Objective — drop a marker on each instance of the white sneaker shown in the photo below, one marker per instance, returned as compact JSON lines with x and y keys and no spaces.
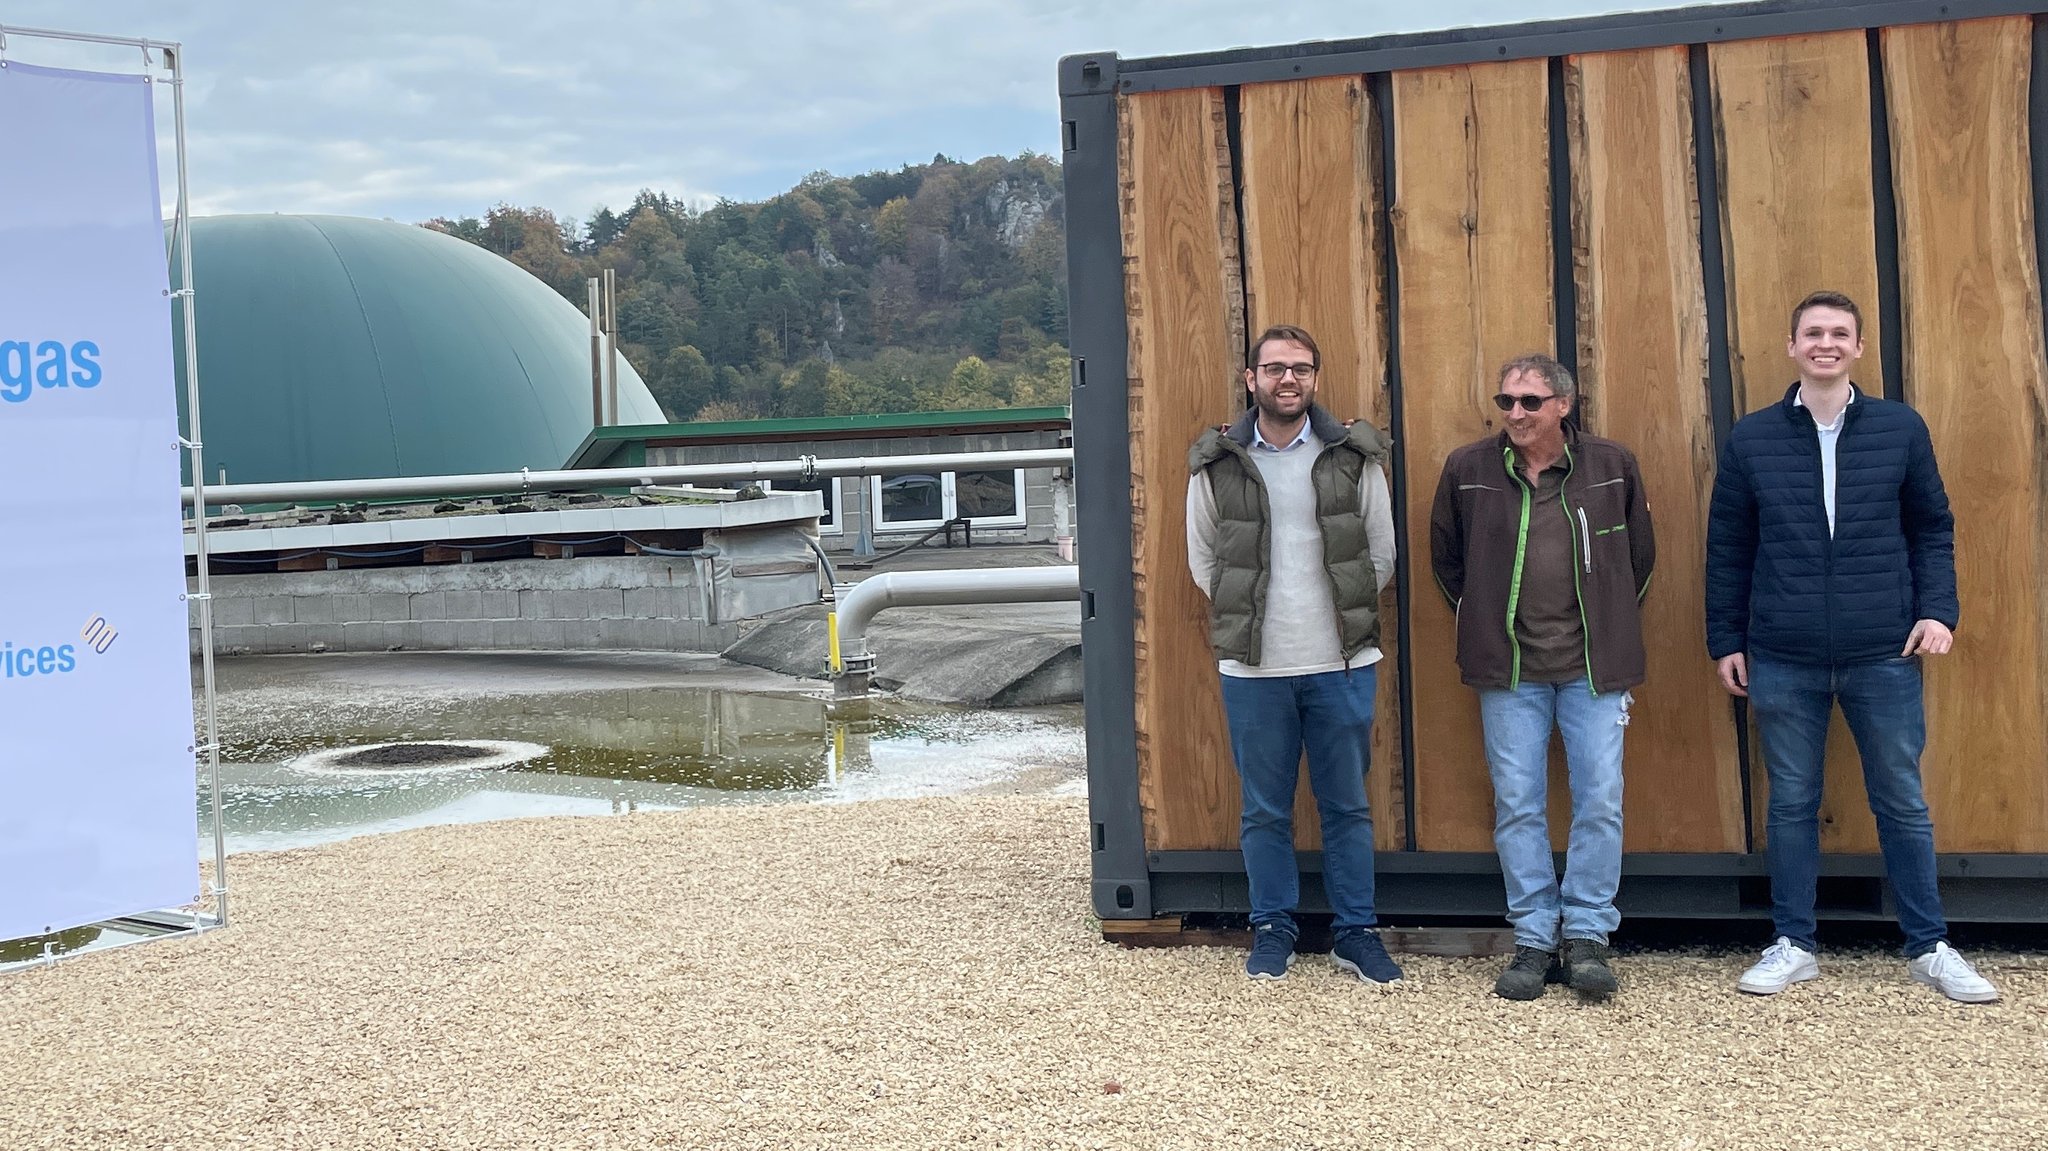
{"x":1945,"y":970}
{"x":1784,"y":963}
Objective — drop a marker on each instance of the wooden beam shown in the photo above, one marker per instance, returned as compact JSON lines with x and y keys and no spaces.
{"x":1971,"y":295}
{"x":1191,"y":931}
{"x":1643,"y":380}
{"x":1310,"y":204}
{"x":1184,"y":295}
{"x":559,"y":549}
{"x":1792,"y":120}
{"x":474,"y":551}
{"x":1792,"y":123}
{"x":1471,"y":223}
{"x":1311,"y":259}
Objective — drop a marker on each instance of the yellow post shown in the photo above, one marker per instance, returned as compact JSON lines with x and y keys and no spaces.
{"x":832,"y":643}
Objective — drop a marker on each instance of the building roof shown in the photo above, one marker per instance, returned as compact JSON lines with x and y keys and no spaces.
{"x":332,"y":347}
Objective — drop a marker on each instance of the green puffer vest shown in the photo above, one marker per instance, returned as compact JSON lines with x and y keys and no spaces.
{"x":1238,"y":607}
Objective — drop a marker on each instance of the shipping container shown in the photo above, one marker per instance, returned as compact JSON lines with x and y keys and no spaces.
{"x":1644,"y":196}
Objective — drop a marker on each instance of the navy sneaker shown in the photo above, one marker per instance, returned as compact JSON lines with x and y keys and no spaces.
{"x":1272,"y":952}
{"x":1360,"y":952}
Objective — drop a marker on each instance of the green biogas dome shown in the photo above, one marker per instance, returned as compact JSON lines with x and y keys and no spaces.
{"x":332,"y":347}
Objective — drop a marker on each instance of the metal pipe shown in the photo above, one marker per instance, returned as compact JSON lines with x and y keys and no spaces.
{"x":610,"y":401}
{"x":1063,"y":515}
{"x":596,"y":357}
{"x":864,"y":543}
{"x":955,"y":586}
{"x":86,"y":38}
{"x":524,"y":480}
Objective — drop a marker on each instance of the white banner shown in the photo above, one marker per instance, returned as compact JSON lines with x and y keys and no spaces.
{"x":97,"y":808}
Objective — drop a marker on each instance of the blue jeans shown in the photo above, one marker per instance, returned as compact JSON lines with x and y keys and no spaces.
{"x":1882,"y":703}
{"x":1518,"y":723}
{"x":1272,"y":721}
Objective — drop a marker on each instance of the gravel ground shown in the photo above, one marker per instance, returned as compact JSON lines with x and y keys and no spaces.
{"x":922,"y":974}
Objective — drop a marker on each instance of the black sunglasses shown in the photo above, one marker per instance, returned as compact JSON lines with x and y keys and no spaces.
{"x":1507,"y":402}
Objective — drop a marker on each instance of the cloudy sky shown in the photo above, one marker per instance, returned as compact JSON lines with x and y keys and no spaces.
{"x":445,"y":107}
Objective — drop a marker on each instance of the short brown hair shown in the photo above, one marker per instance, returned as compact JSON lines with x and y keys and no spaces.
{"x":1287,"y":332}
{"x":1828,"y":299}
{"x":1555,"y":374}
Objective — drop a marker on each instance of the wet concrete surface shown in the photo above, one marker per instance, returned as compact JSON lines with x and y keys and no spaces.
{"x":605,"y":733}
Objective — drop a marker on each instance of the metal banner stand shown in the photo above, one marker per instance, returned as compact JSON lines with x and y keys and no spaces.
{"x":165,"y":63}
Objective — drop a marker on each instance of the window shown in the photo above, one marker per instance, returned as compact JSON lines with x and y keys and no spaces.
{"x":989,"y":497}
{"x":909,"y":501}
{"x":827,"y":486}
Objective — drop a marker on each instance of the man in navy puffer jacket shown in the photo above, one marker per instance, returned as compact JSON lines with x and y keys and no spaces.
{"x":1830,"y":573}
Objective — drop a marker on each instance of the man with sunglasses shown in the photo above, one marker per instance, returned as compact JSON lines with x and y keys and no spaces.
{"x":1541,"y":539}
{"x":1830,"y":571}
{"x":1291,"y":536}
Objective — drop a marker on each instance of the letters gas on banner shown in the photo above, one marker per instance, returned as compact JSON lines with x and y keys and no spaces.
{"x":97,"y":813}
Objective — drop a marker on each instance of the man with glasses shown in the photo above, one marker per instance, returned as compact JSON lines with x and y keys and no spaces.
{"x":1291,"y":536}
{"x":1540,"y":537}
{"x":1830,"y":571}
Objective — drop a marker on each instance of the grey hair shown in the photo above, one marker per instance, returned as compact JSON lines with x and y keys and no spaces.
{"x":1555,"y":374}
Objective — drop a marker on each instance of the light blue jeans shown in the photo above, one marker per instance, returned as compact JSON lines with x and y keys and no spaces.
{"x":1518,"y":723}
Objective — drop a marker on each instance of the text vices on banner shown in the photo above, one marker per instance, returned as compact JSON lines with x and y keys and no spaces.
{"x":97,"y":811}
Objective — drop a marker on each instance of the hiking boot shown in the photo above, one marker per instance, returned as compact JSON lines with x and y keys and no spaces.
{"x":1586,"y":970}
{"x":1272,"y":952}
{"x":1784,"y":963}
{"x":1526,"y":977}
{"x":1360,"y":952}
{"x":1945,"y":970}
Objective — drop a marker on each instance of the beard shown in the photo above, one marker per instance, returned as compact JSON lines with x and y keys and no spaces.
{"x":1274,"y":406}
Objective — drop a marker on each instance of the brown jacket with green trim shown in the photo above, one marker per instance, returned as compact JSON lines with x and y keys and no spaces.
{"x":1476,"y":537}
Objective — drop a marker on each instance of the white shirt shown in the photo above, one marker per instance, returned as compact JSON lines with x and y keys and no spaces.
{"x":1299,"y":609}
{"x":1829,"y":433}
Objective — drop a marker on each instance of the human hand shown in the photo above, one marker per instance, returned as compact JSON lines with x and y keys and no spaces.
{"x":1930,"y":637}
{"x":1734,"y":671}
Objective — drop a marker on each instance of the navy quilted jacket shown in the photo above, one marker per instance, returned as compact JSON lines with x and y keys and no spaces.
{"x":1779,"y":586}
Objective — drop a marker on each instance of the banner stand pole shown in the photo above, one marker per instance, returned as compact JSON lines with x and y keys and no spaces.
{"x":174,"y":55}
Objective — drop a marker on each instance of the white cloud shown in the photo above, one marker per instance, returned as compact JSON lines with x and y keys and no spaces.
{"x":445,"y":107}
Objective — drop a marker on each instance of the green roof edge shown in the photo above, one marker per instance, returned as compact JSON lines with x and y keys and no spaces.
{"x":602,"y":444}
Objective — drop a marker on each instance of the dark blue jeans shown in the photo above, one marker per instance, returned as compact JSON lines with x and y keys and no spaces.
{"x":1272,"y":721}
{"x":1882,"y":702}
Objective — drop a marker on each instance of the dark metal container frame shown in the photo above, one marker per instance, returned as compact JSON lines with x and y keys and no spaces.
{"x":1131,"y":882}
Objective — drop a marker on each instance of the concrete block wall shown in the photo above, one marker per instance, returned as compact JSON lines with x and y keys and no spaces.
{"x":637,"y":603}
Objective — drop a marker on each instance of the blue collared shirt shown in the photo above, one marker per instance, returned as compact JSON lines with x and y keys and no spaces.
{"x":1259,"y":439}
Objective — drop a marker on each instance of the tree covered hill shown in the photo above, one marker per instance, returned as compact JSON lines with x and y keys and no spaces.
{"x":941,"y":286}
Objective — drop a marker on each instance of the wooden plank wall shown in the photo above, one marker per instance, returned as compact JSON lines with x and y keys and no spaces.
{"x":1312,"y":260}
{"x":1471,"y":224}
{"x":1470,"y":232}
{"x":1642,"y":324}
{"x":1792,"y":124}
{"x":1971,"y":298}
{"x":1185,"y":304}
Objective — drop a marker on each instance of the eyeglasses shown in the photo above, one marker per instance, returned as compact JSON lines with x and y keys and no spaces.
{"x":1279,"y":371}
{"x":1507,"y":402}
